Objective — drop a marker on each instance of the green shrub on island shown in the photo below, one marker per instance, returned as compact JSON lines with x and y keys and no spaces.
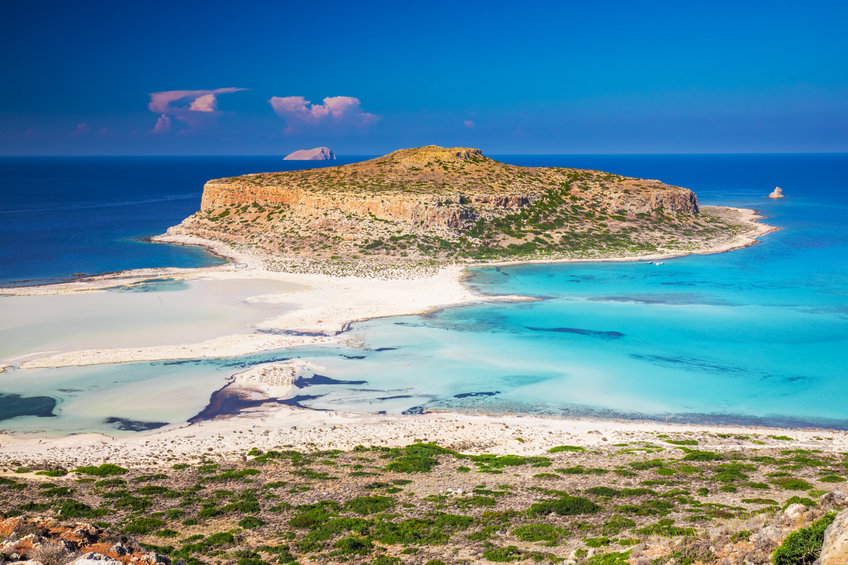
{"x":353,"y":546}
{"x":504,"y":554}
{"x":565,"y":506}
{"x":808,"y":502}
{"x":76,"y":509}
{"x":250,"y":523}
{"x":567,"y":448}
{"x":615,"y":524}
{"x":104,"y":470}
{"x":791,"y":483}
{"x":415,"y":458}
{"x":804,"y":546}
{"x":52,"y":472}
{"x":365,"y":505}
{"x":539,"y":532}
{"x":618,"y":558}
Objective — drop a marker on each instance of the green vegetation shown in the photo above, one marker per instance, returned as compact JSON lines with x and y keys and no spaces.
{"x":570,"y":448}
{"x":415,"y":503}
{"x":565,"y":506}
{"x":539,"y":532}
{"x":803,"y":546}
{"x":104,"y":470}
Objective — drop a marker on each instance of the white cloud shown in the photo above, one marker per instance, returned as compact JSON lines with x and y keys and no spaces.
{"x":205,"y":103}
{"x":82,"y":128}
{"x":469,"y":124}
{"x":193,"y":107}
{"x":339,"y":111}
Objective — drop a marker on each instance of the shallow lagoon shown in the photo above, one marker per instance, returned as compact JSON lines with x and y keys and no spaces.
{"x":160,"y":312}
{"x":752,"y":336}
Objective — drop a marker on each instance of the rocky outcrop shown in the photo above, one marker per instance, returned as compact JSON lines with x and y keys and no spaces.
{"x":835,"y":548}
{"x":776,"y":193}
{"x":317,"y":154}
{"x":435,"y":202}
{"x":46,"y":541}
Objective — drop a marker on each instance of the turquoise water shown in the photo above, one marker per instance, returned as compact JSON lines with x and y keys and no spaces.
{"x":757,"y":335}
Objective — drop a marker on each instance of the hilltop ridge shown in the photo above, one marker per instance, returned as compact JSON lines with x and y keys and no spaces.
{"x":452,"y":204}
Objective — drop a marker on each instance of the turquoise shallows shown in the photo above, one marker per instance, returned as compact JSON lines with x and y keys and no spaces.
{"x":757,"y":335}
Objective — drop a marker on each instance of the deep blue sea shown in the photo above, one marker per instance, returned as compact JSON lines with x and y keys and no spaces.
{"x":88,"y":215}
{"x":757,"y":335}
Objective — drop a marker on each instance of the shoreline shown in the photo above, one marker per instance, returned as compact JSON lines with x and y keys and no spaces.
{"x":318,"y":317}
{"x":274,"y":425}
{"x":326,"y":308}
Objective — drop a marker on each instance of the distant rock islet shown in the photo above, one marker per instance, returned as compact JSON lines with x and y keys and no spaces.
{"x":316,"y":154}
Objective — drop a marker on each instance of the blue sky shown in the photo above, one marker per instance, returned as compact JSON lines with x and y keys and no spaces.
{"x":246,"y":77}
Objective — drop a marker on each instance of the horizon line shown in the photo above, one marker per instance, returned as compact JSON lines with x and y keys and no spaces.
{"x":348,"y":155}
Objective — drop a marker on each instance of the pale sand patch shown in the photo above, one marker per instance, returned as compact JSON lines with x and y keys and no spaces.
{"x":321,"y":304}
{"x":324,"y":305}
{"x":226,"y":346}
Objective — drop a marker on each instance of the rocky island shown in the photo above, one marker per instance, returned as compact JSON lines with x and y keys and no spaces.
{"x":435,"y":204}
{"x":317,"y":154}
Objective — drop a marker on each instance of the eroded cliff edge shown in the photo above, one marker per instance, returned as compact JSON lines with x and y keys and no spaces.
{"x":436,"y":204}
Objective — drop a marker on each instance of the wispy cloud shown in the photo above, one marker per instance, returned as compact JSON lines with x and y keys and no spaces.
{"x":338,"y":111}
{"x":193,"y":107}
{"x":82,"y":128}
{"x":469,"y":124}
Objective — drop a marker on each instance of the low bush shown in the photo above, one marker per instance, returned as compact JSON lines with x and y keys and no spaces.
{"x":565,"y":506}
{"x":104,"y":470}
{"x":804,"y":546}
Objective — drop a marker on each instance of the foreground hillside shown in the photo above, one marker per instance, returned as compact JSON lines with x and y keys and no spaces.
{"x":673,"y":500}
{"x":434,"y":203}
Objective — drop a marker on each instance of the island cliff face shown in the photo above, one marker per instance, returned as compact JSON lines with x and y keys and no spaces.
{"x":448,"y":203}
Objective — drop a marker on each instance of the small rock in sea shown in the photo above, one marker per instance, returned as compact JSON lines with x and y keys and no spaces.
{"x":776,"y":193}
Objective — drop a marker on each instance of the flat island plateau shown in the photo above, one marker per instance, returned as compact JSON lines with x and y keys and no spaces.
{"x":274,"y":483}
{"x":433,"y":204}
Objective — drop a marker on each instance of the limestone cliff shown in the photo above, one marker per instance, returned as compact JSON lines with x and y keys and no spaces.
{"x":447,"y":203}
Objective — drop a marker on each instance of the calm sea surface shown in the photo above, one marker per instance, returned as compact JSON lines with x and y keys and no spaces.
{"x":68,"y":215}
{"x":753,"y":336}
